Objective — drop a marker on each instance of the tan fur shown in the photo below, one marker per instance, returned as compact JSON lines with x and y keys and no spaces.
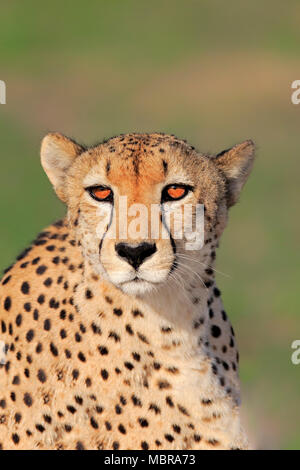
{"x":91,"y":365}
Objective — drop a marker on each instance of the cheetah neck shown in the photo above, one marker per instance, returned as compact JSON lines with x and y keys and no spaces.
{"x":184,"y":308}
{"x":172,"y":335}
{"x":187,"y":325}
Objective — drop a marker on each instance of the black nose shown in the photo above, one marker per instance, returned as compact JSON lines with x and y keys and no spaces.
{"x":135,"y":254}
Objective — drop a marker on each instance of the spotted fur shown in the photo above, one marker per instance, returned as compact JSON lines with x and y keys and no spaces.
{"x":97,"y":363}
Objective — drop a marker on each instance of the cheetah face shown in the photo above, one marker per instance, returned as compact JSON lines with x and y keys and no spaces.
{"x":135,"y":203}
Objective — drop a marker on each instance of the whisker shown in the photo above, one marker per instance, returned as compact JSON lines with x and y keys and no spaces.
{"x":177,"y":281}
{"x":190,"y":258}
{"x":192,"y":271}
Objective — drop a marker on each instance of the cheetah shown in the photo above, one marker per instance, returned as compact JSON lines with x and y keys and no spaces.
{"x":123,"y":343}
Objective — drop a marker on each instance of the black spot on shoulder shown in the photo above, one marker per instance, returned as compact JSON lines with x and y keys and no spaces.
{"x":79,"y":446}
{"x":183,"y":410}
{"x":25,"y":288}
{"x":118,"y":312}
{"x":163,"y":385}
{"x":36,"y":314}
{"x":48,"y":282}
{"x":42,"y":376}
{"x":63,"y":333}
{"x":2,"y":404}
{"x":18,"y":417}
{"x":103,"y":350}
{"x":47,"y":324}
{"x":53,"y":303}
{"x":78,"y":337}
{"x":137,"y":313}
{"x":143,"y":338}
{"x":155,"y":408}
{"x":122,"y":429}
{"x":215,"y":331}
{"x":27,"y":399}
{"x":29,"y":335}
{"x":6,"y":280}
{"x":53,"y":349}
{"x":217,"y":292}
{"x":88,"y":294}
{"x":129,"y":365}
{"x":71,"y":409}
{"x":41,"y":299}
{"x":169,"y":437}
{"x":136,"y":401}
{"x":7,"y":304}
{"x":40,"y":427}
{"x":94,"y":423}
{"x":41,"y":269}
{"x":3,"y":326}
{"x":50,"y":248}
{"x":16,"y":439}
{"x":169,"y":402}
{"x":144,"y":445}
{"x":81,"y":357}
{"x":129,"y":329}
{"x":108,"y":426}
{"x":143,"y":422}
{"x":104,"y":374}
{"x":40,"y":242}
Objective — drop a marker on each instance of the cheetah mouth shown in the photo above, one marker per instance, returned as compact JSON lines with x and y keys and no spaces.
{"x":137,"y":280}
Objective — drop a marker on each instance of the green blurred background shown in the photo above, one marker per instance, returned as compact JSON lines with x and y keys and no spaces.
{"x":213,"y":72}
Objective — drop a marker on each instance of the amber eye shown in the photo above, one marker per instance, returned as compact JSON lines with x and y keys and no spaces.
{"x":175,"y":192}
{"x":101,"y":193}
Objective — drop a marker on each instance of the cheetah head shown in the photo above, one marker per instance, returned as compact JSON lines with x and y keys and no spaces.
{"x":117,"y":191}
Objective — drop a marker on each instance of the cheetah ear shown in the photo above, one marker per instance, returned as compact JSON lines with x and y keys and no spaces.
{"x":236,"y":164}
{"x":57,"y":155}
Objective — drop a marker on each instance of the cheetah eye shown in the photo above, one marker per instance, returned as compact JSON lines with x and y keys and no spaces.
{"x":175,"y":192}
{"x":101,"y":193}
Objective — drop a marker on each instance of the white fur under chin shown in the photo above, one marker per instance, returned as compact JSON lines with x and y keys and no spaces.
{"x":137,"y":288}
{"x":138,"y":284}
